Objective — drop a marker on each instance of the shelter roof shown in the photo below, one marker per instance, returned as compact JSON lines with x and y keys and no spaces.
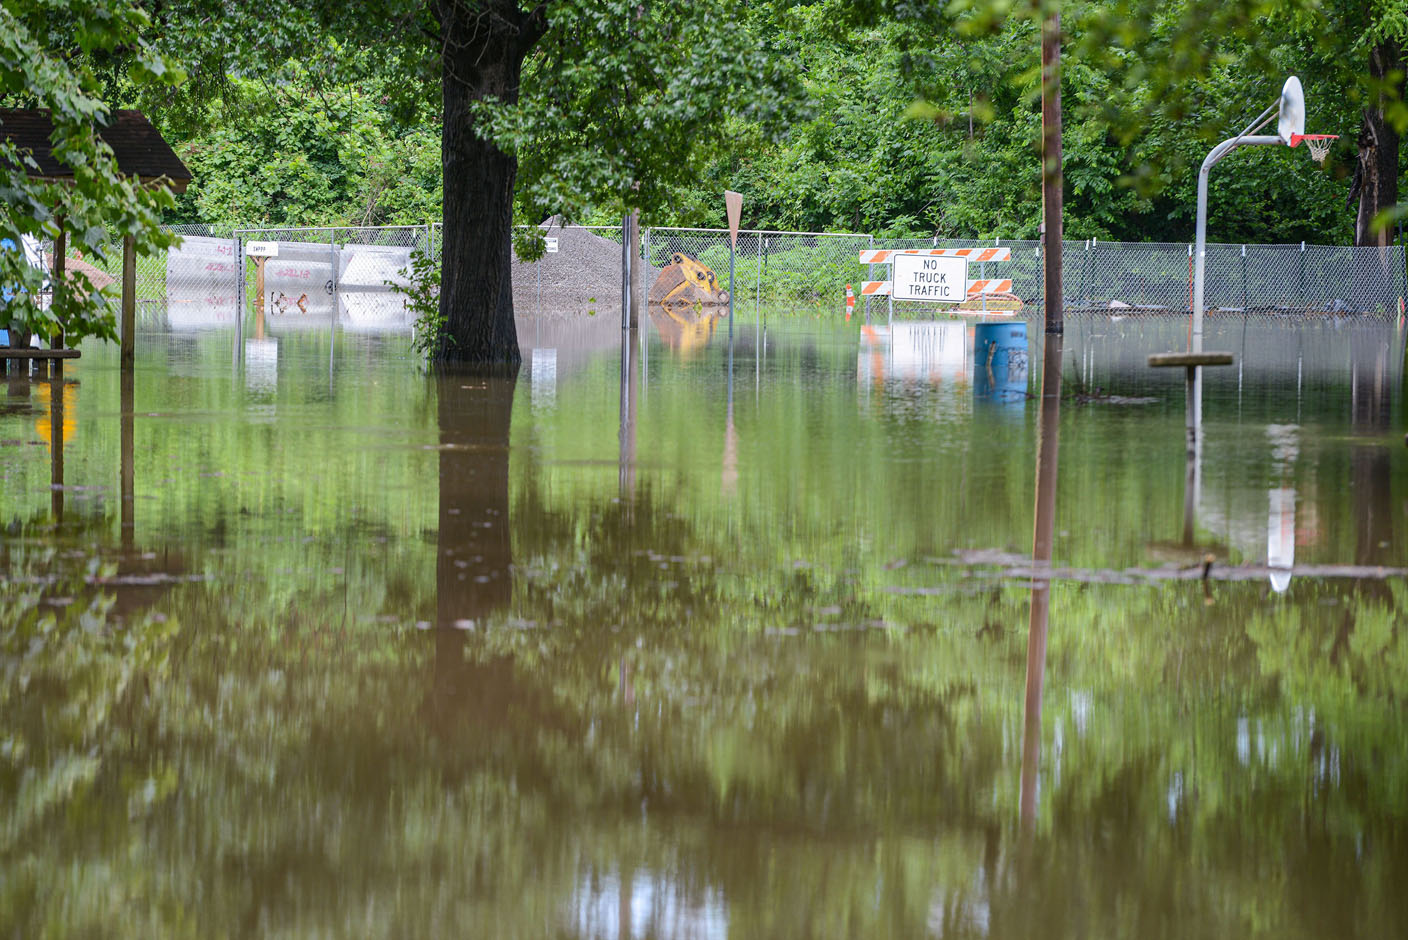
{"x":141,"y":151}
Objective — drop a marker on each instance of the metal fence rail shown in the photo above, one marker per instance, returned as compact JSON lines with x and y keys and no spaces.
{"x":348,"y":275}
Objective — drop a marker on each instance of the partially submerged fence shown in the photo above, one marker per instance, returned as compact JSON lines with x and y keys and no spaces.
{"x":348,"y":275}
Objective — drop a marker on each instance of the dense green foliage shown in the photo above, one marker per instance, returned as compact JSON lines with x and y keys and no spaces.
{"x":43,"y":50}
{"x":883,"y":116}
{"x":915,"y":119}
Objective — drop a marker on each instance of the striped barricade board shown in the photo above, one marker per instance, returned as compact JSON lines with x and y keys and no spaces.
{"x":935,"y":275}
{"x":885,"y":255}
{"x":988,"y":285}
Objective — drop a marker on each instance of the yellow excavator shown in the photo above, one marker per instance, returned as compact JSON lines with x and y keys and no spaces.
{"x":685,"y":284}
{"x":686,"y":303}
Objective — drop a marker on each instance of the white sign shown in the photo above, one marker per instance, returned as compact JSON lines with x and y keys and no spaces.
{"x":552,"y":245}
{"x":923,"y":277}
{"x":262,"y":249}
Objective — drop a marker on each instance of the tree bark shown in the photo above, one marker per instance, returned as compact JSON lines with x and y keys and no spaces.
{"x":484,"y":45}
{"x":1375,"y":185}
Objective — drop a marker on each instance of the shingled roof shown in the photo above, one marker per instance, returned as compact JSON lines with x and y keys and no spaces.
{"x":140,"y":150}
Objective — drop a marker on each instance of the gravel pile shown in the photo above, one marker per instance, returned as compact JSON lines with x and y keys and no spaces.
{"x":583,"y":275}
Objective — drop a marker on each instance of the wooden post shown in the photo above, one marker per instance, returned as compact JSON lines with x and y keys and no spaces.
{"x":259,"y":298}
{"x":58,"y":286}
{"x":259,"y":284}
{"x":1051,"y":175}
{"x":129,"y":301}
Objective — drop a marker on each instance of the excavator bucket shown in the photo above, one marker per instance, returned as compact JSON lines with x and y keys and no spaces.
{"x":686,"y":285}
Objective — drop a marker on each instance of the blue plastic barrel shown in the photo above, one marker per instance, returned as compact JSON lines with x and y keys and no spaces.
{"x":1000,"y":361}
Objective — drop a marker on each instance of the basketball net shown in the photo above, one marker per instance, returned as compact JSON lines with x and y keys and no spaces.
{"x":1318,"y":144}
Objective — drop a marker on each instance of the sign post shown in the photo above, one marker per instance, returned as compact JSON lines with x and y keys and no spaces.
{"x":734,"y":203}
{"x":261,"y":252}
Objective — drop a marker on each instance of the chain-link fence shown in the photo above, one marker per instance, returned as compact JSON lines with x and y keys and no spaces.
{"x":344,"y":275}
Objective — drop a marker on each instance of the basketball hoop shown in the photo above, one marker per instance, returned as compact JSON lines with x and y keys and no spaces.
{"x":1319,"y":144}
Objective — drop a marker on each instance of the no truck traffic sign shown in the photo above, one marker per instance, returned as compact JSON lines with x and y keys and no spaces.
{"x":925,"y":277}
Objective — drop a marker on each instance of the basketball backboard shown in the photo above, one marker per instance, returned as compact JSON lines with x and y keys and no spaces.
{"x":1290,"y":120}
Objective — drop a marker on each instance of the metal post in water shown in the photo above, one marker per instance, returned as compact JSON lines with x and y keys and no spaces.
{"x":625,"y":272}
{"x":239,"y":298}
{"x":758,"y":300}
{"x":1200,"y":246}
{"x":982,"y":275}
{"x":1303,"y":301}
{"x":870,"y":276}
{"x":1244,"y":279}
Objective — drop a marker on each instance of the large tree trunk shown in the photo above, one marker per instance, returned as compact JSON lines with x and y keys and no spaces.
{"x":1376,"y":174}
{"x":484,"y":44}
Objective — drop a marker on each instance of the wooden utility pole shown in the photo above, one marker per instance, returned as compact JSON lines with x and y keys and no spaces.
{"x":1051,"y":179}
{"x":129,"y":301}
{"x":57,"y":286}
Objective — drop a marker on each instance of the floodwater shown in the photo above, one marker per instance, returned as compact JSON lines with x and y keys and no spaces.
{"x":707,"y":640}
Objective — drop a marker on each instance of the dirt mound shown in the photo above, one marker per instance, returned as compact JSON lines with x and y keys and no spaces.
{"x":583,"y":275}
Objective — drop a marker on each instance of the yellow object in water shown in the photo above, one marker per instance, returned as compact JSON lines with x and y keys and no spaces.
{"x":685,"y":282}
{"x":68,"y":406}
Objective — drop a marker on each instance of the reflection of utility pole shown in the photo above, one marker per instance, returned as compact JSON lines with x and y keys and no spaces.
{"x":1050,"y":409}
{"x":1043,"y":535}
{"x":56,"y":446}
{"x":630,"y":389}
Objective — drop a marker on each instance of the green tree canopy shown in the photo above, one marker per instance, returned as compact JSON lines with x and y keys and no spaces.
{"x":45,"y":48}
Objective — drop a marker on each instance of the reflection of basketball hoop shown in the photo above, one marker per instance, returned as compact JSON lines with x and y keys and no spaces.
{"x":1319,"y":144}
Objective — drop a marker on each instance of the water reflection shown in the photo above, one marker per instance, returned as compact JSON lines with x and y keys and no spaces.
{"x":127,"y":462}
{"x":630,"y":395}
{"x":1281,"y":499}
{"x":687,"y":330}
{"x":1043,"y":536}
{"x":916,"y":353}
{"x":474,"y":554}
{"x":639,"y":709}
{"x":645,"y":904}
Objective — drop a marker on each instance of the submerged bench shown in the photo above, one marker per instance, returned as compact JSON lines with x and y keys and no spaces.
{"x":1189,"y":360}
{"x":7,"y":353}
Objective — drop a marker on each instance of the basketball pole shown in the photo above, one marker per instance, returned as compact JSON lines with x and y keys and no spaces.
{"x":1244,"y":139}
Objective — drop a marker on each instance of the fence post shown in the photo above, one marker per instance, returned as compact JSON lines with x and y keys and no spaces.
{"x":1304,"y":301}
{"x":869,"y":276}
{"x":1085,"y":277}
{"x":332,"y":258}
{"x":1040,"y":274}
{"x":758,"y":298}
{"x":239,"y":296}
{"x":1244,"y":279}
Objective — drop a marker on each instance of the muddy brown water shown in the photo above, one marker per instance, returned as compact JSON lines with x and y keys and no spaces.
{"x":701,"y":641}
